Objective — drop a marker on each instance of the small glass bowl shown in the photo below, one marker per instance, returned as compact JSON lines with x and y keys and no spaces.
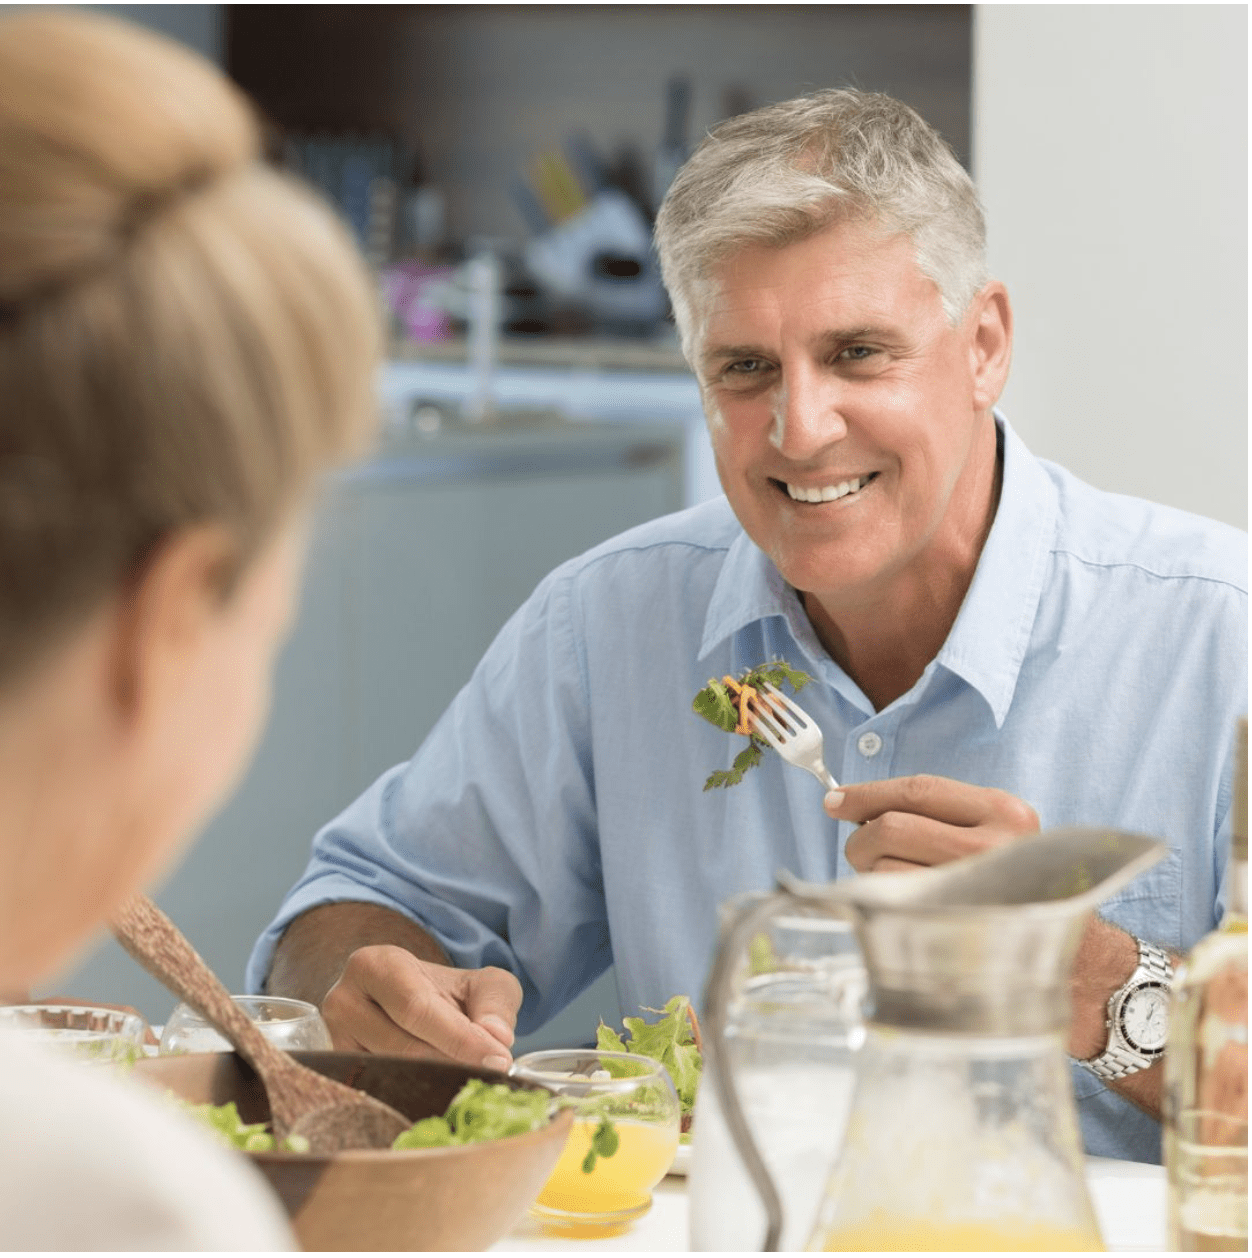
{"x":283,"y":1021}
{"x":593,"y":1196}
{"x":87,"y":1032}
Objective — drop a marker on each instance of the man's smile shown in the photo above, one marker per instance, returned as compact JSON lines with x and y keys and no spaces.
{"x":825,"y":493}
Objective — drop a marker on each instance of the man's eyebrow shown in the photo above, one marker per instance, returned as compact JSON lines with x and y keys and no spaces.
{"x":725,"y":353}
{"x":846,"y":336}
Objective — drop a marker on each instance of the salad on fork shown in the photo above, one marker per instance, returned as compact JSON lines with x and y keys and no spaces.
{"x":755,"y":706}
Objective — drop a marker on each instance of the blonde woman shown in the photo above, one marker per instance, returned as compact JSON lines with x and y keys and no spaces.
{"x":187,"y":340}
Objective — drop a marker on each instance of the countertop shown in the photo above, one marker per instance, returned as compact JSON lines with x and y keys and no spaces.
{"x":594,"y":352}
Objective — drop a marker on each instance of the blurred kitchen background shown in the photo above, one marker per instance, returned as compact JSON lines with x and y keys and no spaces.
{"x":501,"y":166}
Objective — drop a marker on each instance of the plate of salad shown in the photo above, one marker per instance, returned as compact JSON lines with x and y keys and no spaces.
{"x":673,"y":1040}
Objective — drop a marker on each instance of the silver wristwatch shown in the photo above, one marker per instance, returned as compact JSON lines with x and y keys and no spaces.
{"x":1138,"y":1017}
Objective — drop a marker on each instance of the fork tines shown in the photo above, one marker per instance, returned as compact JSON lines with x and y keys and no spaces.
{"x":774,"y":717}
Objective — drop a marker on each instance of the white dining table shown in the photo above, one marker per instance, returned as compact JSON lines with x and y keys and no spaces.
{"x":1129,"y":1200}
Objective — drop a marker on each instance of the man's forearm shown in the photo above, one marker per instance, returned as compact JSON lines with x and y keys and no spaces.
{"x":315,"y":947}
{"x":1106,"y":959}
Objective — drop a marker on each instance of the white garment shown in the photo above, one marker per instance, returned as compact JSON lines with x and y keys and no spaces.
{"x":93,"y":1160}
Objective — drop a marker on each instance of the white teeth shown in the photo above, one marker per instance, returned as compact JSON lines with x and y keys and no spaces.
{"x":827,"y":493}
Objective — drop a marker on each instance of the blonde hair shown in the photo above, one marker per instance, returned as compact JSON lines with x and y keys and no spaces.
{"x":788,"y":170}
{"x":186,"y":335}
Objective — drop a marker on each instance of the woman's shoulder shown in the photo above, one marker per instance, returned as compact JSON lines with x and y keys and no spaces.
{"x":95,"y":1160}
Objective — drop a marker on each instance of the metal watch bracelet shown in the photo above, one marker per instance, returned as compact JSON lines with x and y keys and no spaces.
{"x":1119,"y":1059}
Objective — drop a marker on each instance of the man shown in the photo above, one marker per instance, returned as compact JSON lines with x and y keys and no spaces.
{"x":995,"y":646}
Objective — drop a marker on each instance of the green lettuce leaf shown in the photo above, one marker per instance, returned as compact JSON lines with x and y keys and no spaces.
{"x":426,"y":1133}
{"x":604,"y":1142}
{"x":715,"y":705}
{"x":225,"y":1123}
{"x":668,"y":1040}
{"x":479,"y":1111}
{"x":608,"y":1040}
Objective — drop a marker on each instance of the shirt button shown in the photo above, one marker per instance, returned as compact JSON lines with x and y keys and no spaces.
{"x":869,"y":744}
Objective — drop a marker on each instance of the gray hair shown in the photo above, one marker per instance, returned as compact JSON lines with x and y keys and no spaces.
{"x":788,"y":170}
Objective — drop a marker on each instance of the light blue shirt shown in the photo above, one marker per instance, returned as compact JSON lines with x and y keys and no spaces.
{"x":554,"y":820}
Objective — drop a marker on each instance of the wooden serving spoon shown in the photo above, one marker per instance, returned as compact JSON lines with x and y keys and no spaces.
{"x":331,"y":1116}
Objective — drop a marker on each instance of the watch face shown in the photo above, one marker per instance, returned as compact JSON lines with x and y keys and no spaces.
{"x":1144,"y":1017}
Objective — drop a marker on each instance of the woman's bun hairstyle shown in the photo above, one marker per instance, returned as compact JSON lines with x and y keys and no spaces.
{"x":186,"y":334}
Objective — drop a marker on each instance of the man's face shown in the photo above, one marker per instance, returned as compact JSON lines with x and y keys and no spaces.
{"x":829,"y":371}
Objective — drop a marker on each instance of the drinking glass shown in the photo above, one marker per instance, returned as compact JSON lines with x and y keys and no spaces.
{"x":283,"y":1021}
{"x":88,"y":1032}
{"x":1207,"y":1158}
{"x":792,"y":1032}
{"x":589,"y":1196}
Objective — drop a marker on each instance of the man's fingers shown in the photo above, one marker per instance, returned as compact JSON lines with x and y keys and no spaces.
{"x":440,"y":1029}
{"x":495,"y":1025}
{"x":906,"y":838}
{"x":939,"y":798}
{"x":430,"y":1012}
{"x":491,"y":998}
{"x":889,"y":865}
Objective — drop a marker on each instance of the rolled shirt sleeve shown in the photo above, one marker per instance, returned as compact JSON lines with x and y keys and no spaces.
{"x":500,"y":803}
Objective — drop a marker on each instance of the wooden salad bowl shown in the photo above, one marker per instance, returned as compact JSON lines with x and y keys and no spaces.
{"x":456,"y":1198}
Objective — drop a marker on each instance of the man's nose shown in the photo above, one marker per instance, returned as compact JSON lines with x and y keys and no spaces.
{"x":808,"y":415}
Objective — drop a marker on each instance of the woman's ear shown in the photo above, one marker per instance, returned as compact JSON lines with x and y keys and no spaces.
{"x":991,"y":343}
{"x":164,"y":612}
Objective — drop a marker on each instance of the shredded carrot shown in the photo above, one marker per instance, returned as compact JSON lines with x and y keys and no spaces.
{"x":744,"y":695}
{"x":695,"y":1029}
{"x":746,"y":716}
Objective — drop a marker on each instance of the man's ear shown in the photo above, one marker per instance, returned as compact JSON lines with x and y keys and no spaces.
{"x":163,"y":614}
{"x":991,"y":343}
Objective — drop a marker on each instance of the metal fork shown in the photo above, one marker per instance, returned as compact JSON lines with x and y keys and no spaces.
{"x":792,"y":732}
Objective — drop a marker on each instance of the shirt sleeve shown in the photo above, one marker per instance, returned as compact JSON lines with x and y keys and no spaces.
{"x":487,"y":838}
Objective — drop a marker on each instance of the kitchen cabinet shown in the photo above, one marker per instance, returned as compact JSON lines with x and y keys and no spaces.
{"x":419,"y":555}
{"x":474,"y":93}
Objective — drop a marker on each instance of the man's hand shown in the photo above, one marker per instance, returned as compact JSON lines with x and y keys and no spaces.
{"x":926,"y":820}
{"x":385,"y":986}
{"x":911,"y":822}
{"x":388,"y":1001}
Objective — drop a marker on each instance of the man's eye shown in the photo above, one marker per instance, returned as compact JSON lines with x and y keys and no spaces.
{"x":857,"y":353}
{"x":745,"y":366}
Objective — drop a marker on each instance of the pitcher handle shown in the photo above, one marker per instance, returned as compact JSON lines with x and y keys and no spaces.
{"x":732,"y":943}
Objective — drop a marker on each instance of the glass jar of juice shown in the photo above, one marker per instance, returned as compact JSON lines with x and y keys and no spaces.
{"x":625,"y":1134}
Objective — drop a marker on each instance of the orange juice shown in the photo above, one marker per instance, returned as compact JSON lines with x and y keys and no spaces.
{"x":618,"y":1185}
{"x":960,"y":1236}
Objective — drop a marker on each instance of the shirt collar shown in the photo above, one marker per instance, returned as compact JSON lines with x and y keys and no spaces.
{"x":749,"y":588}
{"x":992,"y":631}
{"x":988,"y":642}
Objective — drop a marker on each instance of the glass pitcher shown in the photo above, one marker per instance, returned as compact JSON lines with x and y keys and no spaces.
{"x":963,"y":1133}
{"x":795,"y":1019}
